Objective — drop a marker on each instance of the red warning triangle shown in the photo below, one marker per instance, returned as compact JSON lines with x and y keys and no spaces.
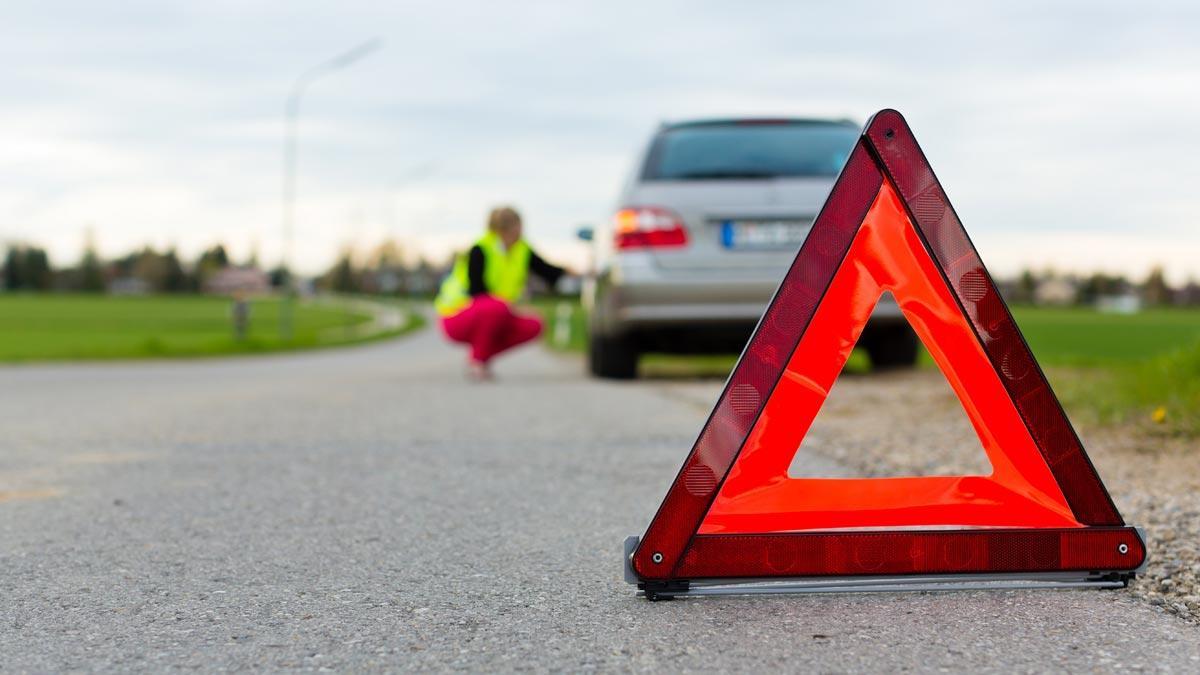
{"x":733,"y":513}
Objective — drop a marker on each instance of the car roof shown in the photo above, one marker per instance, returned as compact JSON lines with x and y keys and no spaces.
{"x":731,"y":121}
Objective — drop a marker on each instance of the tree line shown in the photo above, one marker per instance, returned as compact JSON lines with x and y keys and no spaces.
{"x":1051,"y":287}
{"x":385,"y":270}
{"x":27,"y":268}
{"x":382,"y":270}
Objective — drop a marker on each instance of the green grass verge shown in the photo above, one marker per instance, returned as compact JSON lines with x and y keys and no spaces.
{"x":1161,"y":393}
{"x":1107,"y":368}
{"x":54,"y":327}
{"x":1078,"y":336}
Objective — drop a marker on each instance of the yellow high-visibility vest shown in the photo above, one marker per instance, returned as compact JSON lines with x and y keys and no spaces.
{"x":504,"y":273}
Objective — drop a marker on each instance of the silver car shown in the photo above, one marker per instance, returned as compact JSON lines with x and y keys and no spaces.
{"x":705,"y":230}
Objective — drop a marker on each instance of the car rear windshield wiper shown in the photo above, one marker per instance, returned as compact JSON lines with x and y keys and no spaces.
{"x":721,"y":174}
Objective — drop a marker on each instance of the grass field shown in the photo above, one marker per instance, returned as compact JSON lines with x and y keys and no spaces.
{"x":1077,"y":336}
{"x":1106,"y":367}
{"x":39,"y":327}
{"x":1057,"y":336}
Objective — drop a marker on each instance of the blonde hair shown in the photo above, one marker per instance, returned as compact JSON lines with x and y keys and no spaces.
{"x":502,"y":219}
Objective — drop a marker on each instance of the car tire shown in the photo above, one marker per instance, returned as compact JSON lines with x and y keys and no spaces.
{"x":613,"y":358}
{"x":892,"y":347}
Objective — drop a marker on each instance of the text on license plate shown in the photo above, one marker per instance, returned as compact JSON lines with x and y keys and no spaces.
{"x":764,"y":234}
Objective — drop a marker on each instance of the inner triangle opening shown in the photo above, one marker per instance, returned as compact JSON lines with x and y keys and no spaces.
{"x":890,"y":423}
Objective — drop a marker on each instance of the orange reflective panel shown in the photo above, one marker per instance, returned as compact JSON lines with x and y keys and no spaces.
{"x":758,"y":496}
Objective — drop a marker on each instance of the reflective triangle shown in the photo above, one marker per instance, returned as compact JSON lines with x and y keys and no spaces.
{"x":733,"y":511}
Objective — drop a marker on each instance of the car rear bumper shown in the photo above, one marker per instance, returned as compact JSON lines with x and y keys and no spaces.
{"x":624,"y":308}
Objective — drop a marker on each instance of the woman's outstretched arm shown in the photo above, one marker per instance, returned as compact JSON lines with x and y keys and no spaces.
{"x":549,"y":273}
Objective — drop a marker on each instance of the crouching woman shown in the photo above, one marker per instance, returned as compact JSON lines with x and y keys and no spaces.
{"x":476,"y":302}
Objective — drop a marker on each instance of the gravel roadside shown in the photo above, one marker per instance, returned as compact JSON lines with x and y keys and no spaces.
{"x":912,"y":424}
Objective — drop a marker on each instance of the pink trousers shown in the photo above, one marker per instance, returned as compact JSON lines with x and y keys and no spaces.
{"x":490,"y":327}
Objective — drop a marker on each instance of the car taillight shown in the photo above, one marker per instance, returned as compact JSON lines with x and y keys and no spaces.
{"x":648,"y":227}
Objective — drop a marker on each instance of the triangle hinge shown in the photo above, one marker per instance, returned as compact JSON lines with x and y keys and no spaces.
{"x":653,"y":590}
{"x":663,"y":590}
{"x":1122,"y":578}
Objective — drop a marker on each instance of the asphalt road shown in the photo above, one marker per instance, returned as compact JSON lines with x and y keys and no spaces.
{"x":366,"y":509}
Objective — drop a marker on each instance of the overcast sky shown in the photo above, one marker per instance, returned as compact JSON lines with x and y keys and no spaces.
{"x":1064,"y":135}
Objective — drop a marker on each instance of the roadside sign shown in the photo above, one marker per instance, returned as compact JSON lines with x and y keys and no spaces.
{"x":735,"y":521}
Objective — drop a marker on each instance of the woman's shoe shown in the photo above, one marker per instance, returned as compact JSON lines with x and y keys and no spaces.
{"x":478,"y":371}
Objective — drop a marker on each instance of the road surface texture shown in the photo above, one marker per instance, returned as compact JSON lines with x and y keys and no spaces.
{"x":367,"y":509}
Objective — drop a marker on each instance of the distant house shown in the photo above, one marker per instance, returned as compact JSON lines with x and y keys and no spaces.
{"x":1189,"y":295}
{"x":1056,"y":291}
{"x":424,"y":278}
{"x":1122,"y":303}
{"x":230,"y":280}
{"x":129,"y":286}
{"x":387,"y":281}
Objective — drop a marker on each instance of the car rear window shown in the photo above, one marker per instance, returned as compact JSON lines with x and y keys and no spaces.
{"x":741,"y":150}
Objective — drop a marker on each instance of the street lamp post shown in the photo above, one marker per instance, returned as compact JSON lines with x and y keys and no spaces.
{"x":292,"y":114}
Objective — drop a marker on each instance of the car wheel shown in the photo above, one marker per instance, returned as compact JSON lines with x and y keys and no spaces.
{"x":612,"y":358}
{"x":893,"y":347}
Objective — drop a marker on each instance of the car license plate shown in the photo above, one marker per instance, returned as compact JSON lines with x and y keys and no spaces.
{"x":764,"y":235}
